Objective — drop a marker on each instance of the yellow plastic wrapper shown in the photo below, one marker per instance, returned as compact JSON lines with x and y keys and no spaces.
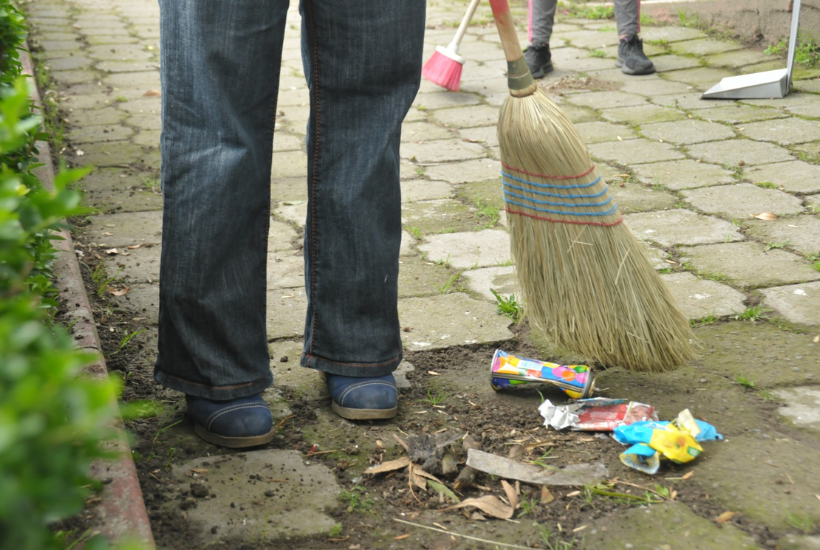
{"x":677,"y":441}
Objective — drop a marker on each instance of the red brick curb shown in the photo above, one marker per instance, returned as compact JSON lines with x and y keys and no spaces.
{"x":121,"y":512}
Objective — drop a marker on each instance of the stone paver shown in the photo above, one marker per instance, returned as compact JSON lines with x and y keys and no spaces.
{"x":683,"y":174}
{"x":742,"y":200}
{"x":595,"y":132}
{"x":750,"y":265}
{"x":230,"y":488}
{"x":500,"y":279}
{"x":674,"y":227}
{"x":699,"y":298}
{"x":687,"y":132}
{"x":732,"y":152}
{"x":802,"y":406}
{"x":795,"y":176}
{"x":642,"y":114}
{"x":802,"y":233}
{"x":451,"y":320}
{"x":782,"y":131}
{"x":658,"y":145}
{"x":798,"y":303}
{"x":486,"y":248}
{"x":634,"y":151}
{"x":442,"y":151}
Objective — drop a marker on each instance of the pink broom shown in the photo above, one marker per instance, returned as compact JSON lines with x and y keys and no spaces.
{"x":444,"y":68}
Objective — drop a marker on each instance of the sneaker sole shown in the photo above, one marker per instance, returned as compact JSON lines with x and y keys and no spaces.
{"x":625,"y":70}
{"x":364,"y":414}
{"x":548,"y":68}
{"x":233,"y":442}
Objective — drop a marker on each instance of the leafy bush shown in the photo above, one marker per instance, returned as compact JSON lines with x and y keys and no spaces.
{"x":53,"y":421}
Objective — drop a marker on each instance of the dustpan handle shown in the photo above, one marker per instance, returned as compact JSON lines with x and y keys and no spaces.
{"x":518,"y":74}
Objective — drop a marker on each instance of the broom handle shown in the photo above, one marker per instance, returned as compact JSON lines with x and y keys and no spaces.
{"x":462,"y":28}
{"x":519,"y":78}
{"x":506,"y":30}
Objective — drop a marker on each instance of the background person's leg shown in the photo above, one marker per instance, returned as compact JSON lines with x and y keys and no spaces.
{"x":363,"y":66}
{"x":541,"y":20}
{"x":628,"y":17}
{"x":220,"y":73}
{"x":631,"y":58}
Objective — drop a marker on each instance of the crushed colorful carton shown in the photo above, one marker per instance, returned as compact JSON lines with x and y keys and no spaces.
{"x":678,"y":441}
{"x":599,"y":414}
{"x":507,"y":371}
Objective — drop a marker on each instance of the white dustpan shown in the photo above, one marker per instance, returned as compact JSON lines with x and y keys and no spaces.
{"x":765,"y":85}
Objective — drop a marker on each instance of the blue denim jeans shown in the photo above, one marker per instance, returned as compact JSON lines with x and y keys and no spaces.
{"x":220,"y":75}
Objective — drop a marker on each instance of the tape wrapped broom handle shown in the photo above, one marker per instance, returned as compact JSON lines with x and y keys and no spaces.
{"x":519,"y":78}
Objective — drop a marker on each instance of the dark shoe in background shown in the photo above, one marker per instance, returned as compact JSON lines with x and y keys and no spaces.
{"x":631,"y":58}
{"x":539,"y":60}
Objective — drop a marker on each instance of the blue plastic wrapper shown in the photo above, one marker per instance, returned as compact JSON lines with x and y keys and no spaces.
{"x":678,"y":441}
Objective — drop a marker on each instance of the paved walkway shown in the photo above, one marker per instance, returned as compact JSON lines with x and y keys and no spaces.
{"x":692,"y":177}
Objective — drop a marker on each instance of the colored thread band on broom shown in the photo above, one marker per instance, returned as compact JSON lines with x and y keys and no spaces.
{"x":548,"y":211}
{"x":556,"y":195}
{"x":549,"y":186}
{"x":553,"y":220}
{"x":564,"y":204}
{"x":546,"y":177}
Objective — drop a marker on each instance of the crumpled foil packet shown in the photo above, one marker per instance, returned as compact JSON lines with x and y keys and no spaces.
{"x":599,"y":414}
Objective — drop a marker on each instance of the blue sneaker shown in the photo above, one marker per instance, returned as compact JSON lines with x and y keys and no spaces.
{"x":363,"y":398}
{"x":243,"y":422}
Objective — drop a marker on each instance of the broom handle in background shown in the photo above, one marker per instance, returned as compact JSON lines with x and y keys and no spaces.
{"x":519,"y":78}
{"x":462,"y":28}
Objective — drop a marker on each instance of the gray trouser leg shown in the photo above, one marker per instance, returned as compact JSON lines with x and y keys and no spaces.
{"x":542,"y":16}
{"x":627,"y":16}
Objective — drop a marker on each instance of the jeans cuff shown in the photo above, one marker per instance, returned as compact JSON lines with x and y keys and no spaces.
{"x":215,"y":393}
{"x":356,"y":370}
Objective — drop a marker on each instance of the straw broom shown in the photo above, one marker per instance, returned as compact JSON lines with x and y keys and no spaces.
{"x":587,"y":282}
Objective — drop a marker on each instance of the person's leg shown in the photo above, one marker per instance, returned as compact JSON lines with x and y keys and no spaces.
{"x":631,"y":58}
{"x":541,"y":20}
{"x":363,"y":63}
{"x":628,"y":17}
{"x":220,"y":72}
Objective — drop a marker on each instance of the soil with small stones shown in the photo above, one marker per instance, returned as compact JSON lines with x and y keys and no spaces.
{"x":385,"y":496}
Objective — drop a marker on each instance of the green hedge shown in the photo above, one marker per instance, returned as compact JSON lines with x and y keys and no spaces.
{"x":53,"y":421}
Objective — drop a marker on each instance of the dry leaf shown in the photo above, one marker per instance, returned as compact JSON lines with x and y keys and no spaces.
{"x":389,"y":466}
{"x":725,"y":516}
{"x":687,"y":475}
{"x":512,"y":495}
{"x":402,"y":537}
{"x":152,"y":93}
{"x":816,"y":339}
{"x":133,"y":246}
{"x":433,"y":373}
{"x":574,"y":494}
{"x":546,"y":496}
{"x":478,"y":516}
{"x":488,"y":504}
{"x":767,"y":216}
{"x":118,"y":291}
{"x":112,"y":251}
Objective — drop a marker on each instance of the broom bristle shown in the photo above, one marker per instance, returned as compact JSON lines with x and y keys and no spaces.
{"x":587,"y":282}
{"x":443,"y":71}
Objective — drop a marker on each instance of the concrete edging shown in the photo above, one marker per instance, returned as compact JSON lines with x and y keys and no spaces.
{"x":121,"y":510}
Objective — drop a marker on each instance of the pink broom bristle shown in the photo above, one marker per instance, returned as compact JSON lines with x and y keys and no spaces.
{"x":443,"y":71}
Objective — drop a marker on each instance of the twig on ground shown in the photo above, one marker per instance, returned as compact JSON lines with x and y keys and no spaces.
{"x":485,"y":541}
